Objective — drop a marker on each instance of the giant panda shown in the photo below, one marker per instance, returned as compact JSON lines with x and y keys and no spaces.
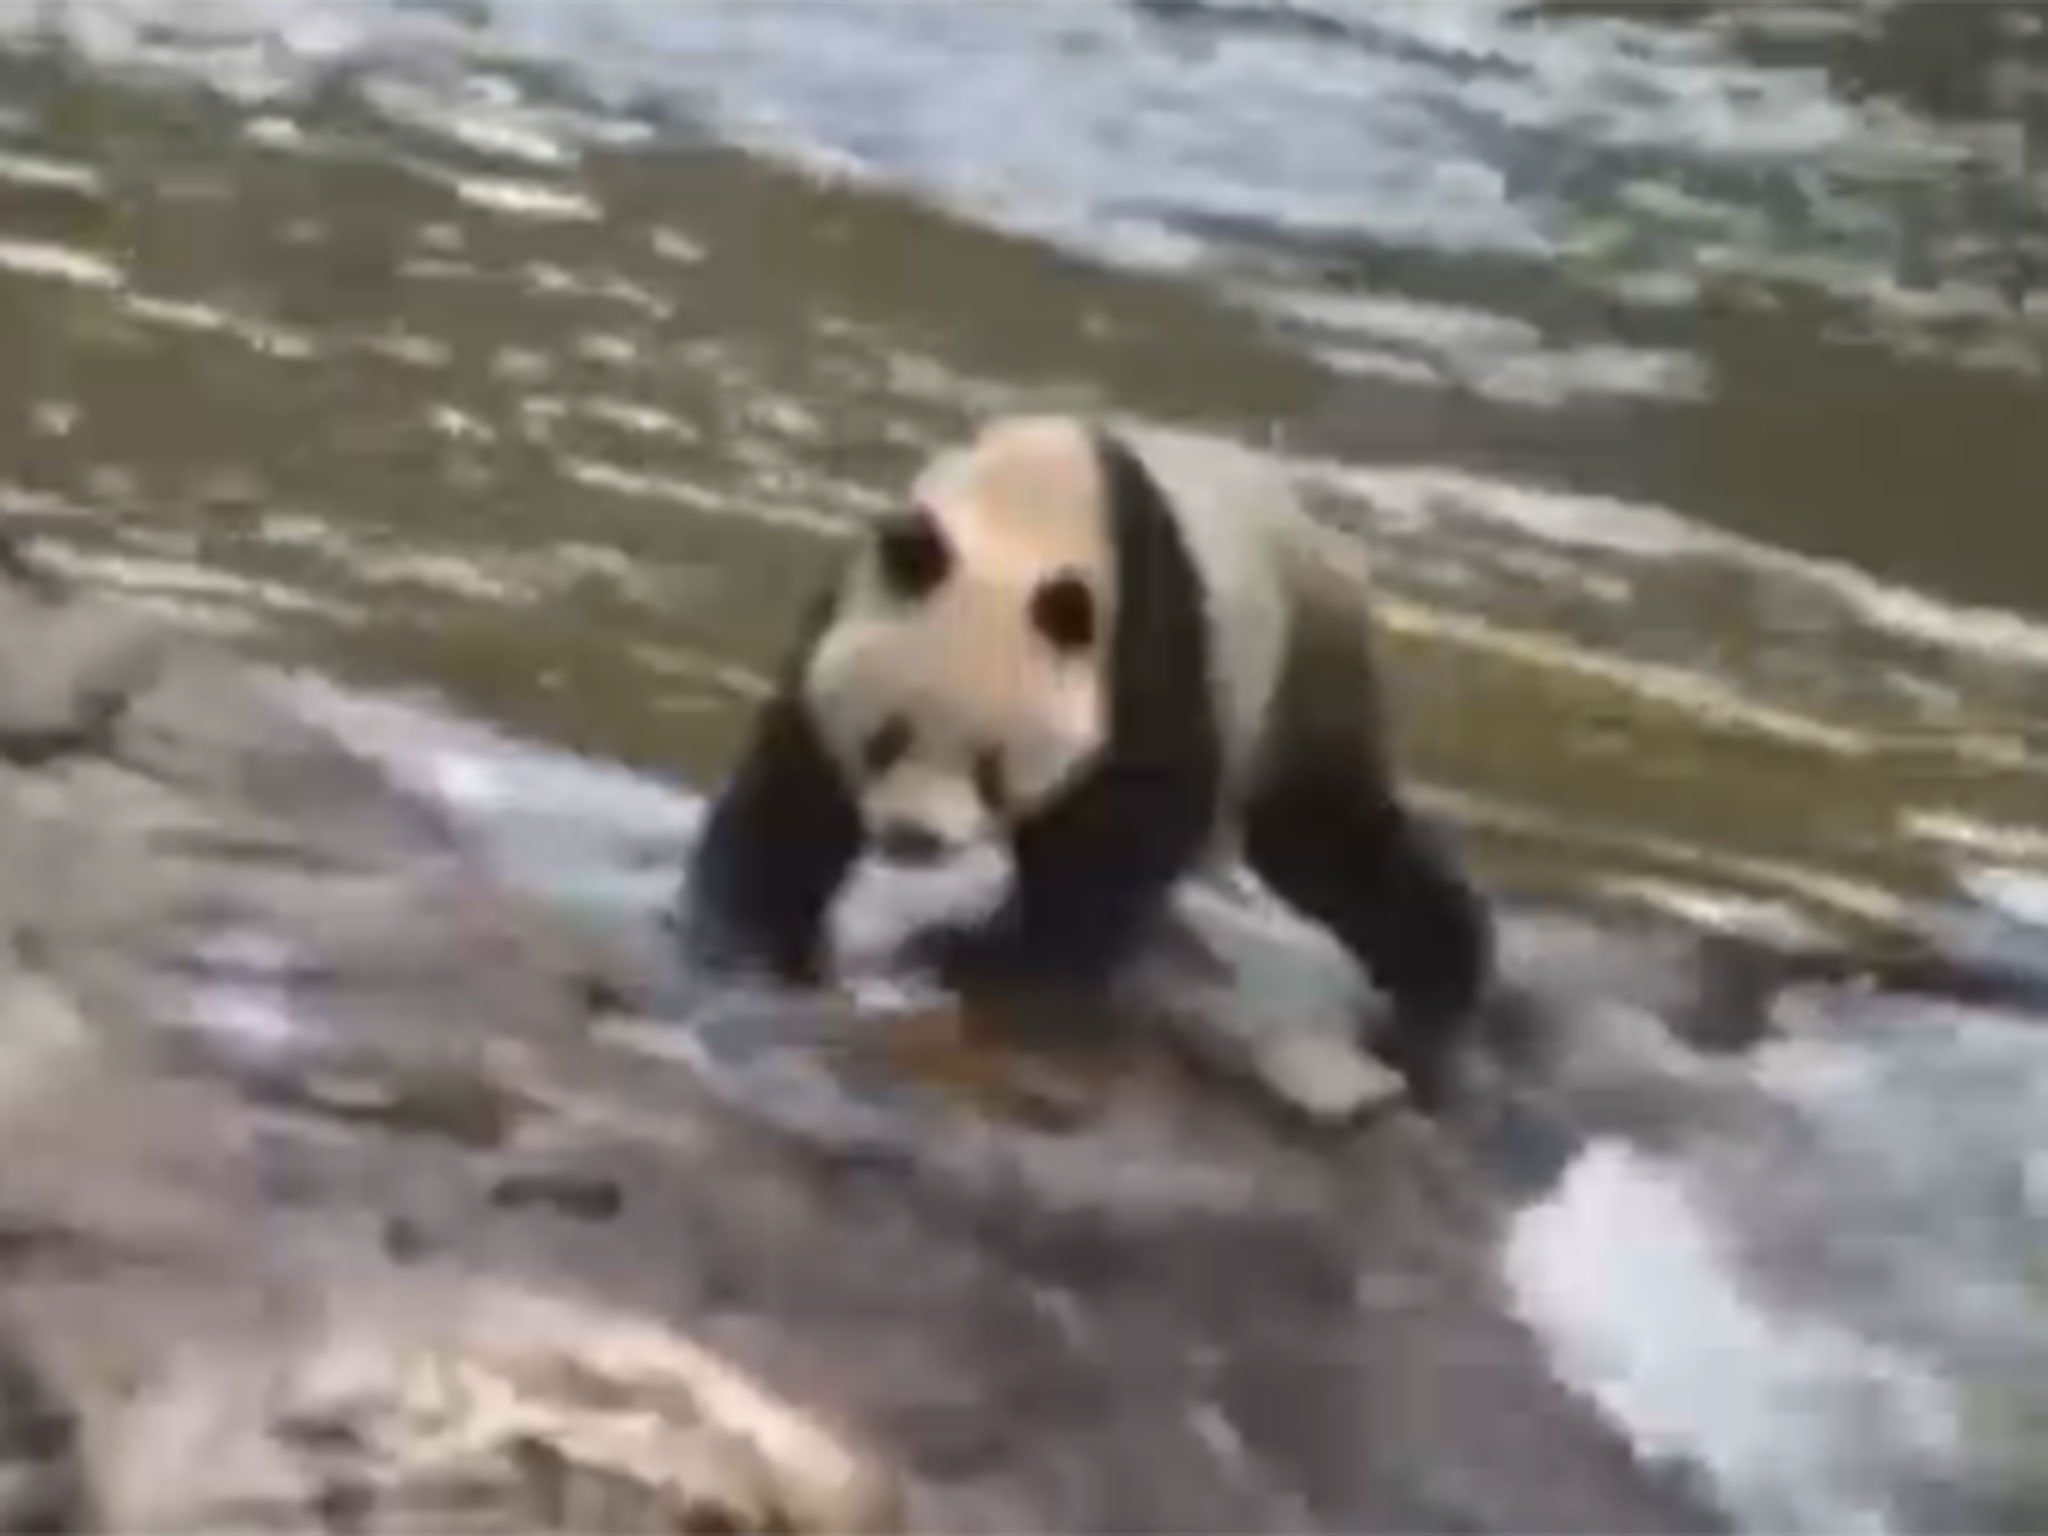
{"x":1123,"y":652}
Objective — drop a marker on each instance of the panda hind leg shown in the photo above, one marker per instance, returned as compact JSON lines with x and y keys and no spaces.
{"x":1335,"y":844}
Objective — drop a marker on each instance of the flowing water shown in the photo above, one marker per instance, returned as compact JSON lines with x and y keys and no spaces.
{"x":1687,"y":366}
{"x":1684,"y":364}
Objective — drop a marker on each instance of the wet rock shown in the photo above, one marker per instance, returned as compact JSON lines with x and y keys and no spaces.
{"x":42,"y":1485}
{"x":45,"y":1038}
{"x":586,"y":1196}
{"x":457,"y":1406}
{"x":1261,"y":1017}
{"x":332,"y":1201}
{"x":88,"y":661}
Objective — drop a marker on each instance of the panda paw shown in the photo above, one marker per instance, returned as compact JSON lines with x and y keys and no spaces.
{"x":999,"y":962}
{"x":966,"y":956}
{"x":1428,"y":1050}
{"x":998,"y":955}
{"x":713,"y":948}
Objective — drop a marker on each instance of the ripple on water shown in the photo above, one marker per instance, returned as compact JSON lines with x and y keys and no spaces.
{"x":526,"y":199}
{"x":58,"y":263}
{"x":42,"y":173}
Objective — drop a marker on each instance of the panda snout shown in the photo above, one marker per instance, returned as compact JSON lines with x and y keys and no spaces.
{"x":909,"y":844}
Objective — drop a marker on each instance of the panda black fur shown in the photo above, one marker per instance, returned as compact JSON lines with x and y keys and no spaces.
{"x":1125,"y":652}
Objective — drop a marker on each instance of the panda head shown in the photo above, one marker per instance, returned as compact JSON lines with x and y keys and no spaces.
{"x":963,"y":678}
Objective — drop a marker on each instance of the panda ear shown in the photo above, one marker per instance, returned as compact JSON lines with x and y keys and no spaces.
{"x":1063,"y":611}
{"x":911,"y":554}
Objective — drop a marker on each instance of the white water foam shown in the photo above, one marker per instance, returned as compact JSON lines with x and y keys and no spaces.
{"x":1835,"y":1311}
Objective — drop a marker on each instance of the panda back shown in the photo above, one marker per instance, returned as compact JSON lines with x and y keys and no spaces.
{"x":1237,"y":516}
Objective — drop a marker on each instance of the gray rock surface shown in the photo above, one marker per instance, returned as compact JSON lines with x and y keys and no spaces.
{"x":343,"y":1189}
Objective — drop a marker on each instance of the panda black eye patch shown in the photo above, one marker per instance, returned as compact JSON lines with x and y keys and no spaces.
{"x":912,"y":555}
{"x":1063,"y":611}
{"x":887,"y":746}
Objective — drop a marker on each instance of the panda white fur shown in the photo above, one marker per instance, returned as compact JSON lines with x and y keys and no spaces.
{"x":1124,"y":652}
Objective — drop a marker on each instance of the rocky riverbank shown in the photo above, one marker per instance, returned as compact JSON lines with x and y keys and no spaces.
{"x":346,"y":1186}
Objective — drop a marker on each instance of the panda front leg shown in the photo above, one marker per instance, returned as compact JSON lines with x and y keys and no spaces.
{"x":780,"y":839}
{"x":1336,"y":845}
{"x":1091,"y":873}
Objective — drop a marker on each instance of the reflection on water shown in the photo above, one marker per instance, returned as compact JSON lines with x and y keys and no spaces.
{"x":1684,"y":367}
